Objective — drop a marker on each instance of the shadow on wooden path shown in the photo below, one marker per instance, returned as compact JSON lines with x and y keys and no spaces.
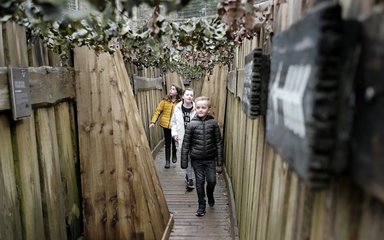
{"x":216,"y":224}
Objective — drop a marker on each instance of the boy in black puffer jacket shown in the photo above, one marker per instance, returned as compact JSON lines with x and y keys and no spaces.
{"x":203,"y":143}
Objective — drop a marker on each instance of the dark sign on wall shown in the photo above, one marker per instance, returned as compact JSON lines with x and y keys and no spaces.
{"x":256,"y":77}
{"x":308,"y":115}
{"x":367,"y":144}
{"x":19,"y":92}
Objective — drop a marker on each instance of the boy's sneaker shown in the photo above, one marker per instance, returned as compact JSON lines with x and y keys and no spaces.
{"x":190,"y":185}
{"x":211,"y":201}
{"x":200,"y":211}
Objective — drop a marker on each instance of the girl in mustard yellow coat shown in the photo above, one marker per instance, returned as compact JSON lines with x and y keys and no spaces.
{"x":165,"y":109}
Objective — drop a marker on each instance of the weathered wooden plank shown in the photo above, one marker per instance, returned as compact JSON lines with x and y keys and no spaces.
{"x":15,"y":45}
{"x":145,"y":83}
{"x":2,"y":53}
{"x":67,"y":150}
{"x":50,"y":174}
{"x":93,"y":227}
{"x":24,"y":149}
{"x":247,"y":188}
{"x":10,"y":226}
{"x":257,"y":167}
{"x":105,"y":73}
{"x":38,"y":55}
{"x":151,"y":204}
{"x":29,"y":181}
{"x":265,"y":193}
{"x":48,"y":85}
{"x":280,"y":184}
{"x":319,"y":216}
{"x":292,"y":210}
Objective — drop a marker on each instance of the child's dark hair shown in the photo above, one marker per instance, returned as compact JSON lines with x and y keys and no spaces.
{"x":179,"y":93}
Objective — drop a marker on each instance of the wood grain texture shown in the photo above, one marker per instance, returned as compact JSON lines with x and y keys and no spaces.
{"x":9,"y":199}
{"x":50,"y":174}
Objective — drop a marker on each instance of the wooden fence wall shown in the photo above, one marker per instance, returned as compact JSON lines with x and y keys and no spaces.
{"x":39,"y":191}
{"x":271,"y":201}
{"x":121,"y":192}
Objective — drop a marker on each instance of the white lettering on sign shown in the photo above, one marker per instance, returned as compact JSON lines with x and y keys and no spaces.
{"x":291,"y":96}
{"x":19,"y":84}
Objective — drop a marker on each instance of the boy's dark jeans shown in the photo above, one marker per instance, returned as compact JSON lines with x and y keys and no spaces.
{"x":204,"y":170}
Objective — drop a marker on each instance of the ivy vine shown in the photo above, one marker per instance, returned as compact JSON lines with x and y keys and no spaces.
{"x":191,"y":48}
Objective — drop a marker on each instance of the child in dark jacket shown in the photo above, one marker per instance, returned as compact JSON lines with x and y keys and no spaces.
{"x":203,"y":142}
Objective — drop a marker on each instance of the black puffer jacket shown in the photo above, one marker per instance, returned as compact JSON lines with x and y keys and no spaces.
{"x":202,"y":141}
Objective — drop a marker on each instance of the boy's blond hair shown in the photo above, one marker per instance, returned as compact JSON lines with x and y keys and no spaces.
{"x":204,"y":98}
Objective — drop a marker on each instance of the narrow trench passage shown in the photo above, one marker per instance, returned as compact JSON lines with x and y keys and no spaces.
{"x":216,"y":224}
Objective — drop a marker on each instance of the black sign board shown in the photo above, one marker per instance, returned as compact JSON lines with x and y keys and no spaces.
{"x":367,"y":142}
{"x":19,"y":92}
{"x":256,"y":77}
{"x":308,"y":115}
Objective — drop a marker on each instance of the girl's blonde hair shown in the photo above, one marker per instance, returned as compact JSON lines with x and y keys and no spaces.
{"x":204,"y":98}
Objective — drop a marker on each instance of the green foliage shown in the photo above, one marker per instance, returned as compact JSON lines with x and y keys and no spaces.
{"x":190,"y":48}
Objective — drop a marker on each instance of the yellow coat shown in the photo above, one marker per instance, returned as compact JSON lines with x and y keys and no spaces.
{"x":165,"y":108}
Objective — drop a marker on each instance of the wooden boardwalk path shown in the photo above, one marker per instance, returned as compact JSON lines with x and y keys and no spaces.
{"x":216,"y":224}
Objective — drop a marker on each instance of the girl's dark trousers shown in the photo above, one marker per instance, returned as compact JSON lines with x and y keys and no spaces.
{"x":168,"y":142}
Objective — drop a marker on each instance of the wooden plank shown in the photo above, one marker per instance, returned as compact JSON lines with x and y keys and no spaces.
{"x":246,"y":175}
{"x":67,"y":150}
{"x":257,"y":166}
{"x":24,"y":149}
{"x":29,"y":181}
{"x":124,"y":172}
{"x":276,"y":221}
{"x":16,"y":45}
{"x":265,"y":193}
{"x":9,"y":197}
{"x":91,"y":179}
{"x":50,"y":174}
{"x":151,"y":204}
{"x":48,"y":85}
{"x":292,"y":210}
{"x":319,"y":216}
{"x":38,"y":55}
{"x":2,"y":53}
{"x":104,"y":71}
{"x":146,"y":83}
